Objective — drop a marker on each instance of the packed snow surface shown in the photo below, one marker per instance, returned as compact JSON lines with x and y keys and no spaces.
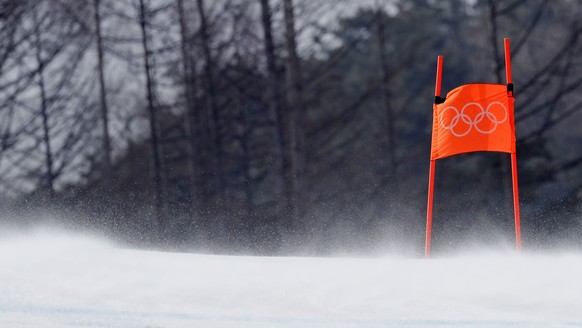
{"x":59,"y":280}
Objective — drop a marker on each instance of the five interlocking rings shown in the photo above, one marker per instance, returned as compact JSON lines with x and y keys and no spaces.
{"x":483,"y":114}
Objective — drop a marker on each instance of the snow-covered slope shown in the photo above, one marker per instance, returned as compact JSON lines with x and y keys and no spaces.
{"x":58,"y":280}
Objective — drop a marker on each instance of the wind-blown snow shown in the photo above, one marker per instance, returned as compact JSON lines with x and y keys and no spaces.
{"x":59,"y":280}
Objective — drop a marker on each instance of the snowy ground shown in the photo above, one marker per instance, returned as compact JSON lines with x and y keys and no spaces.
{"x":59,"y":280}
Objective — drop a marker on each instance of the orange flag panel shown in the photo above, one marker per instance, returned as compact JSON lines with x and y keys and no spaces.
{"x":474,"y":117}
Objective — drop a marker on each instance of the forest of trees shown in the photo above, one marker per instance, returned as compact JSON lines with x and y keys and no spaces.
{"x":283,"y":126}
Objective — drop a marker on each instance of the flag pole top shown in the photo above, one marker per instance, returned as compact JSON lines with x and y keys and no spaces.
{"x":439,"y":76}
{"x":508,"y":77}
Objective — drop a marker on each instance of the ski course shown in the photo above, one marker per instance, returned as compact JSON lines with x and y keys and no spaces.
{"x":63,"y":280}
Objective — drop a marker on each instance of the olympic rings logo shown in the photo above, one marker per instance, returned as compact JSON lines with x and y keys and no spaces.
{"x":484,"y":114}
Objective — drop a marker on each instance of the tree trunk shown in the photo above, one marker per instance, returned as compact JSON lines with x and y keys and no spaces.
{"x":274,"y":91}
{"x":189,"y":93}
{"x":393,"y":173}
{"x":214,"y":125}
{"x":294,"y":119}
{"x":157,"y":167}
{"x":103,"y":95}
{"x":46,"y":139}
{"x":497,"y":64}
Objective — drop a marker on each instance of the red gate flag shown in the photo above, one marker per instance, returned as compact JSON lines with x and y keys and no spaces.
{"x":473,"y":117}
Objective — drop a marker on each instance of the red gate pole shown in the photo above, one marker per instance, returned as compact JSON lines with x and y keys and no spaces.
{"x":516,"y":201}
{"x":429,"y":208}
{"x":513,"y":155}
{"x":437,"y":93}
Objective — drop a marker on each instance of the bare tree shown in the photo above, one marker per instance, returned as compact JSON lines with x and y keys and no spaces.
{"x":274,"y":92}
{"x":494,"y":41}
{"x":45,"y":133}
{"x":153,"y":120}
{"x":390,"y":117}
{"x":294,"y":113}
{"x":46,"y":139}
{"x":214,"y":123}
{"x":102,"y":92}
{"x":189,"y":81}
